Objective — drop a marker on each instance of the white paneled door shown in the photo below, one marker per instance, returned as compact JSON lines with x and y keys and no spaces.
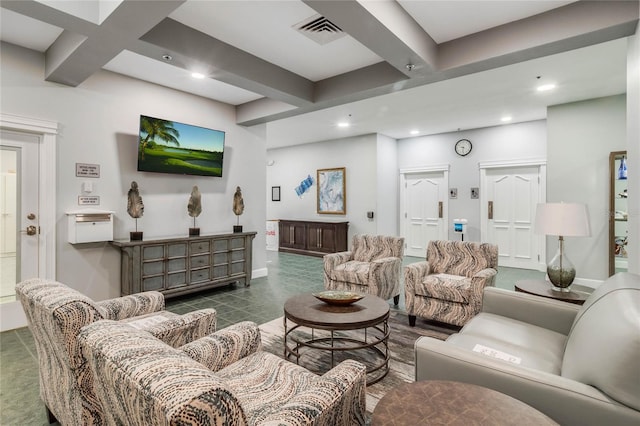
{"x":20,"y":215}
{"x":27,"y":227}
{"x":424,"y":215}
{"x":511,"y":198}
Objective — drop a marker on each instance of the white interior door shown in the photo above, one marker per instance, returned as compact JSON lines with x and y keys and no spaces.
{"x":20,"y":214}
{"x":512,"y":196}
{"x":425,"y":210}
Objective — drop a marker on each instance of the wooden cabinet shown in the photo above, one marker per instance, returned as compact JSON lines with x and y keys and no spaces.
{"x":176,"y":266}
{"x":312,"y":237}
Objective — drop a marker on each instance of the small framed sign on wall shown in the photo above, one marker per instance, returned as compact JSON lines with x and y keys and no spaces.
{"x":275,"y":193}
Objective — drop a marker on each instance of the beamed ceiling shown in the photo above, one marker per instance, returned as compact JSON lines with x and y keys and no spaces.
{"x":386,"y":66}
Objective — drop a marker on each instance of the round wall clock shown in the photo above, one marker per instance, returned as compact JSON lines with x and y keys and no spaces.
{"x":463,"y":147}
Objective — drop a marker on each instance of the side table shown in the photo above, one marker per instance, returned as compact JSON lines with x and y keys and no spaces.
{"x":543,"y":288}
{"x":453,"y":403}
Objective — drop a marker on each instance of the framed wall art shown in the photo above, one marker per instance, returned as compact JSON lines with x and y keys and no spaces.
{"x":332,"y":196}
{"x":275,"y":193}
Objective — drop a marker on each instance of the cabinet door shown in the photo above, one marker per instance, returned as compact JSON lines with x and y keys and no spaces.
{"x":293,"y":235}
{"x":322,"y":237}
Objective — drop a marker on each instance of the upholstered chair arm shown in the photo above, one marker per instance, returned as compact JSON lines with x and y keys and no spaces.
{"x":336,"y":398}
{"x":415,"y":273}
{"x":331,"y":260}
{"x":385,"y":272}
{"x":482,"y":279}
{"x":132,"y":305}
{"x":226,"y":346}
{"x":547,"y":313}
{"x":182,"y":329}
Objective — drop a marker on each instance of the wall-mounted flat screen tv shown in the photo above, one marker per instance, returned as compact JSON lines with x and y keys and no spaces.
{"x":172,"y":147}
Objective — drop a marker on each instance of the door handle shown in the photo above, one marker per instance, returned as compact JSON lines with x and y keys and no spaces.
{"x":440,"y":209}
{"x":31,"y":230}
{"x":490,"y":210}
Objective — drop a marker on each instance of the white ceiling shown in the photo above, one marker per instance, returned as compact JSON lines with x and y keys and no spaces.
{"x":288,"y":71}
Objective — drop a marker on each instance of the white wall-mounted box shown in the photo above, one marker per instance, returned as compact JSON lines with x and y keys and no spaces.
{"x":90,"y":226}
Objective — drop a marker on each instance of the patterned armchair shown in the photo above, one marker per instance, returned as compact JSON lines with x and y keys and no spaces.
{"x":448,"y":286}
{"x":373,"y":266}
{"x":56,"y":313}
{"x":221,"y":379}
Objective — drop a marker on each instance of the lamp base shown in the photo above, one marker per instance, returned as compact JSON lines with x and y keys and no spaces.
{"x":561,"y":271}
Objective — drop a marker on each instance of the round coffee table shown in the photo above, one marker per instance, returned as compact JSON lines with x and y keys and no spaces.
{"x":453,"y":403}
{"x":364,"y":323}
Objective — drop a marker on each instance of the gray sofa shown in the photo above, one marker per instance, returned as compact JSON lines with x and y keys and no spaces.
{"x":580,"y":365}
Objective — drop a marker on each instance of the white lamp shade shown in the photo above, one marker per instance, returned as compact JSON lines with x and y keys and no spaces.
{"x":566,"y":219}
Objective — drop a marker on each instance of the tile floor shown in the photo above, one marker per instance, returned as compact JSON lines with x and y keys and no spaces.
{"x":288,"y":274}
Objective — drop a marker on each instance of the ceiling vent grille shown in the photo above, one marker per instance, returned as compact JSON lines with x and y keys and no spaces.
{"x":319,"y":29}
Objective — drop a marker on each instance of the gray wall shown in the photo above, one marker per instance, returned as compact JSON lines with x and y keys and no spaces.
{"x":581,"y":136}
{"x":293,"y":164}
{"x":522,"y":141}
{"x":98,"y":124}
{"x":388,"y":181}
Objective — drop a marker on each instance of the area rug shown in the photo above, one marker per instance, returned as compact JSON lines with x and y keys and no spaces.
{"x":401,"y":340}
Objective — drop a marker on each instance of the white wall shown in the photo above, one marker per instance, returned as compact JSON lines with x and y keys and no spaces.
{"x":98,"y":123}
{"x":291,"y":165}
{"x":388,"y":194}
{"x":581,"y":136}
{"x":522,"y":141}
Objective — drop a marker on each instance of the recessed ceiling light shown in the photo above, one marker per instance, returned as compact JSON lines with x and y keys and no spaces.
{"x":506,"y":118}
{"x":546,"y":87}
{"x":197,"y":75}
{"x":343,"y":124}
{"x":414,"y":132}
{"x":167,"y":58}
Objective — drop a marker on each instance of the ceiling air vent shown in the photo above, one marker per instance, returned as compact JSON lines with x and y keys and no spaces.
{"x":319,"y":29}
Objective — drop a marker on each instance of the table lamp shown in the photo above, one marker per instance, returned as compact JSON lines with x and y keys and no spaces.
{"x":563,"y":220}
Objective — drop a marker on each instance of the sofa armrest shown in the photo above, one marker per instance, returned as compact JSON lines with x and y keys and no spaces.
{"x":339,"y":393}
{"x":226,"y":346}
{"x":185,"y":328}
{"x":132,"y":305}
{"x":564,"y":400}
{"x":541,"y":311}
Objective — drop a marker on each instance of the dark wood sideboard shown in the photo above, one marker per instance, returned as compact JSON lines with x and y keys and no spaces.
{"x":312,"y":238}
{"x":176,"y":266}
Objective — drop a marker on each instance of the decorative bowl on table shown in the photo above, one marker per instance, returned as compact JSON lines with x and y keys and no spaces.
{"x":336,"y":297}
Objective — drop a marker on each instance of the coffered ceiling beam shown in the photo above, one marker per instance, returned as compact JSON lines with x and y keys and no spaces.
{"x":84,"y":47}
{"x":229,"y":64}
{"x":576,"y":25}
{"x":386,"y":29}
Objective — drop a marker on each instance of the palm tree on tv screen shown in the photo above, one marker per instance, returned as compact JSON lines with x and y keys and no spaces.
{"x":157,"y":128}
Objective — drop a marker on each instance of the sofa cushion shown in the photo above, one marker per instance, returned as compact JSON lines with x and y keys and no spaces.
{"x":603,"y":346}
{"x":352,"y":272}
{"x":534,"y":346}
{"x":452,"y":288}
{"x":254,"y":378}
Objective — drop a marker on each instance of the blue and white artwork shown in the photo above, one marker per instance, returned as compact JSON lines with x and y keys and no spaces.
{"x":331,"y":191}
{"x":304,"y":186}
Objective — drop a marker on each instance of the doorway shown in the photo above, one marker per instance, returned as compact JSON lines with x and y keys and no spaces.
{"x":27,"y":206}
{"x":512,"y":192}
{"x":424,"y":207}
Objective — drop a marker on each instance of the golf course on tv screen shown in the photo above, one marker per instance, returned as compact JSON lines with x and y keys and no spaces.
{"x":170,"y":147}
